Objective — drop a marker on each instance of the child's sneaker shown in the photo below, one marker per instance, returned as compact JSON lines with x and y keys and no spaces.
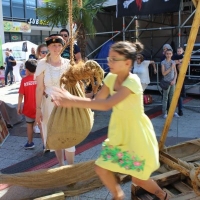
{"x":36,"y":129}
{"x":165,"y":116}
{"x":29,"y":146}
{"x":176,"y":115}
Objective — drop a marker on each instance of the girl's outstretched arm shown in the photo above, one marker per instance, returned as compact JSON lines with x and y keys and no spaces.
{"x":62,"y":97}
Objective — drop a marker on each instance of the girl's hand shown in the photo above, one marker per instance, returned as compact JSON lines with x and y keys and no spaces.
{"x":155,"y":71}
{"x":172,"y":82}
{"x":38,"y":117}
{"x":61,"y":97}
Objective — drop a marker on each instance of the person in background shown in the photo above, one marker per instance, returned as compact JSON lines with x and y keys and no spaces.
{"x":41,"y":51}
{"x":129,"y":128}
{"x":9,"y":67}
{"x":27,"y":92}
{"x":168,"y":69}
{"x":33,"y":54}
{"x":66,"y":53}
{"x":48,"y":73}
{"x":141,"y":68}
{"x":178,"y":57}
{"x":165,"y":48}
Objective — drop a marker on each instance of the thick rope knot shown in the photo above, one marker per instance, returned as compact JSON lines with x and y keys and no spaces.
{"x":89,"y":72}
{"x":195,"y":178}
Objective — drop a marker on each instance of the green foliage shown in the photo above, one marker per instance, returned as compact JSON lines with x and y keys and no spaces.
{"x":124,"y":159}
{"x":56,"y":13}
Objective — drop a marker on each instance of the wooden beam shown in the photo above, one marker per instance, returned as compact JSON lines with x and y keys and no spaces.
{"x":162,"y":180}
{"x":182,"y":73}
{"x":56,"y":196}
{"x":195,"y":2}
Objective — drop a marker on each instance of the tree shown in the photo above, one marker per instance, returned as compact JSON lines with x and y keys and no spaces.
{"x":56,"y":13}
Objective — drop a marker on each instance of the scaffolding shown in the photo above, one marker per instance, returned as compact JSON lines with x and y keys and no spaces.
{"x":153,"y":31}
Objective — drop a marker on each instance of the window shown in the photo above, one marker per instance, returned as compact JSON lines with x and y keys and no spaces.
{"x":6,"y":8}
{"x":30,"y":9}
{"x":18,"y":8}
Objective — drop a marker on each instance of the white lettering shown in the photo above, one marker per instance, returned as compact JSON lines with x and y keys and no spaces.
{"x":30,"y":83}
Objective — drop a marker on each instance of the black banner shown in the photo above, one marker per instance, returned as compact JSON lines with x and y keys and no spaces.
{"x":146,"y":7}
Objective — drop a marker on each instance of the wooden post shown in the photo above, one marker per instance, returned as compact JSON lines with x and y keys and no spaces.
{"x":183,"y":70}
{"x":195,"y":3}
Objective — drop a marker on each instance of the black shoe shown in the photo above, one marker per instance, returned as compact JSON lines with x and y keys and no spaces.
{"x":180,"y":113}
{"x":9,"y":126}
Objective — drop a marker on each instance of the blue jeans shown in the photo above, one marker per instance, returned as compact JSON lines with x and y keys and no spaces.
{"x":167,"y":94}
{"x":6,"y":75}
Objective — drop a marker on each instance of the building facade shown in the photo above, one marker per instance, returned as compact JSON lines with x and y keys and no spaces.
{"x":21,"y":23}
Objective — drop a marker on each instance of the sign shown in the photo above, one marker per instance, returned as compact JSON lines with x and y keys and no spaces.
{"x":34,"y":21}
{"x":146,"y":7}
{"x":16,"y":37}
{"x":1,"y":54}
{"x":16,"y":27}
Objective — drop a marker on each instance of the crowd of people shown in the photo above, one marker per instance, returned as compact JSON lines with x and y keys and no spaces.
{"x":170,"y":66}
{"x":122,"y":92}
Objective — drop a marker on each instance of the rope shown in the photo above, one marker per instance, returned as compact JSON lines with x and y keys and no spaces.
{"x":51,"y":178}
{"x":71,"y":39}
{"x":195,"y":179}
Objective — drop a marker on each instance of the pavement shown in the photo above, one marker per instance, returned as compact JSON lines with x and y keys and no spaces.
{"x":14,"y":158}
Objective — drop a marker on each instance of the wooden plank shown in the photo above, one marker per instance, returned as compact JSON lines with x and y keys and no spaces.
{"x":164,"y":179}
{"x":56,"y":196}
{"x":145,"y":196}
{"x":169,"y":192}
{"x":182,"y":187}
{"x":190,"y":158}
{"x":195,"y":3}
{"x":185,"y":196}
{"x":123,"y":178}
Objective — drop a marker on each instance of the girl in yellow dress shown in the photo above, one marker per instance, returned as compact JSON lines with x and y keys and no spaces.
{"x":131,"y":147}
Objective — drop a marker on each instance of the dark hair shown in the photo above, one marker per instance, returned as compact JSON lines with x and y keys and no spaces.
{"x":55,"y":38}
{"x":169,"y":50}
{"x":64,"y":30}
{"x":127,"y":49}
{"x":141,"y":57}
{"x":31,"y":65}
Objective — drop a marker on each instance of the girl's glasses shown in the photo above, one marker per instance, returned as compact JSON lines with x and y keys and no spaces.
{"x":115,"y":59}
{"x":43,"y":52}
{"x":138,"y":58}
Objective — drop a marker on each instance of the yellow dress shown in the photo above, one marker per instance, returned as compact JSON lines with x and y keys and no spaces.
{"x":131,"y":147}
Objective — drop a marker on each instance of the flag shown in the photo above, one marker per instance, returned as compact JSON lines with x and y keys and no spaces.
{"x":146,"y":7}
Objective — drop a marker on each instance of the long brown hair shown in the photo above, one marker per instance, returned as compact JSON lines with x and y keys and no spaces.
{"x":39,"y":49}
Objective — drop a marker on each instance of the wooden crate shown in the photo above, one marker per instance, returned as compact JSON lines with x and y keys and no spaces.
{"x":173,"y":182}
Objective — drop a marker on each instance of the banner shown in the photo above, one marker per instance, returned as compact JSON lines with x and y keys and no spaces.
{"x":146,"y":7}
{"x":16,"y":27}
{"x":1,"y":53}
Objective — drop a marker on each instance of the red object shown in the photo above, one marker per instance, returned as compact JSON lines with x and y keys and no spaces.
{"x":27,"y":88}
{"x":147,"y":99}
{"x":139,"y":4}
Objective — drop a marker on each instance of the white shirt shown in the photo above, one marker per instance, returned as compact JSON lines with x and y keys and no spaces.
{"x":142,"y":70}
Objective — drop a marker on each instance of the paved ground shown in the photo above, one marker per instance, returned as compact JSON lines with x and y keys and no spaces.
{"x":13,"y":157}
